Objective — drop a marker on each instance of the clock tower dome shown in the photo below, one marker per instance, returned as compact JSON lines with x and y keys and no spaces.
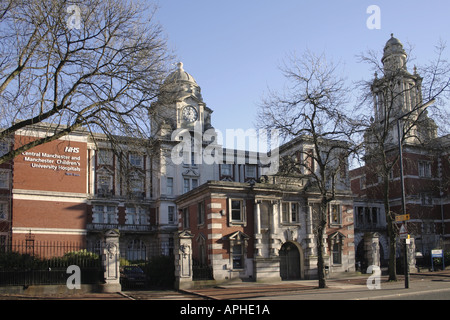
{"x":180,"y":105}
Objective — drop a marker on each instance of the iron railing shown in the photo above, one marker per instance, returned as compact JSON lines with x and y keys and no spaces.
{"x":120,"y":227}
{"x":33,"y":263}
{"x":201,"y":271}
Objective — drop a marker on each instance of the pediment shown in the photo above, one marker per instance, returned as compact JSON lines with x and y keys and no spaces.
{"x":201,"y":238}
{"x":136,"y":173}
{"x":191,"y":173}
{"x":237,"y":236}
{"x":104,"y":170}
{"x":193,"y":100}
{"x":111,"y":233}
{"x":336,"y":235}
{"x":185,"y":234}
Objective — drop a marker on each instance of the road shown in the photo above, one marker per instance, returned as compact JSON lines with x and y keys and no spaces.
{"x":436,"y":295}
{"x":422,"y":287}
{"x":417,"y":291}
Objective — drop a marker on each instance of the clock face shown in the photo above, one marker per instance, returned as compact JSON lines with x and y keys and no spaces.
{"x":190,"y":114}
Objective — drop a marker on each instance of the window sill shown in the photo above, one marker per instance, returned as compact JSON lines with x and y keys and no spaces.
{"x":238,"y":223}
{"x":295,"y":224}
{"x":336,"y":225}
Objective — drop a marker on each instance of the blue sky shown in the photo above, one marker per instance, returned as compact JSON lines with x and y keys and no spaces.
{"x":234,"y":48}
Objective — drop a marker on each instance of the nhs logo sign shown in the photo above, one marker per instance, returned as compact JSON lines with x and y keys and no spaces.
{"x":72,"y":149}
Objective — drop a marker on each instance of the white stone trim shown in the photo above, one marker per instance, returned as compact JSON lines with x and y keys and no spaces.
{"x":37,"y":195}
{"x":58,"y":231}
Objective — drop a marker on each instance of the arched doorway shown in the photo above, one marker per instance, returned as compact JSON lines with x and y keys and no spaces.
{"x":290,"y":262}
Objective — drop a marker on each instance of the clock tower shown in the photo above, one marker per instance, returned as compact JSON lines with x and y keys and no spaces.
{"x":180,"y":106}
{"x":398,"y":94}
{"x":178,"y":112}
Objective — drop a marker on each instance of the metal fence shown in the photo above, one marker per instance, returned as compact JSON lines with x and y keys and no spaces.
{"x":34,"y":262}
{"x":201,"y":271}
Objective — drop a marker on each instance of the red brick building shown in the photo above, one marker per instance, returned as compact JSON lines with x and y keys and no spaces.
{"x":398,"y":95}
{"x":426,"y":181}
{"x":49,"y":188}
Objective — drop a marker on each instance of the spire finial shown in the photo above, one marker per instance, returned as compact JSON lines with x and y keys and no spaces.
{"x":392,"y":35}
{"x":180,"y":65}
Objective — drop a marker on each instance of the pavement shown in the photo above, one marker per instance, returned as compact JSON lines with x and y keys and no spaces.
{"x":353,"y":287}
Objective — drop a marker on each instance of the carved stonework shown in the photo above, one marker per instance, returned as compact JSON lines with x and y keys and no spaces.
{"x":111,"y":262}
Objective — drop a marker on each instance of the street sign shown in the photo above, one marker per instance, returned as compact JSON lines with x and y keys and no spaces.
{"x":437,"y":253}
{"x":402,"y":217}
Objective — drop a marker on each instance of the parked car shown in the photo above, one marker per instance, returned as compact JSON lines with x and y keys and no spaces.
{"x":132,"y":277}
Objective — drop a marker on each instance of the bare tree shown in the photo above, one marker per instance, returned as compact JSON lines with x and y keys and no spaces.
{"x":396,"y":94}
{"x":89,"y":64}
{"x":312,"y":109}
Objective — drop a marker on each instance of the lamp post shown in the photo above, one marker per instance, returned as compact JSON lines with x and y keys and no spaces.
{"x":402,"y":185}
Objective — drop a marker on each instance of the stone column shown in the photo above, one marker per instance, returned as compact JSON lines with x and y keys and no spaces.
{"x":258,"y":235}
{"x":111,"y":262}
{"x":183,"y":260}
{"x":274,"y":244}
{"x":309,"y":220}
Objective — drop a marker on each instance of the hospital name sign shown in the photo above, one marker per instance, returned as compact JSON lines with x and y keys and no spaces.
{"x":54,"y":161}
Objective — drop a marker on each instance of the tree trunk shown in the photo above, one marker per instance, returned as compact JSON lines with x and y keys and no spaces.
{"x":321,"y":229}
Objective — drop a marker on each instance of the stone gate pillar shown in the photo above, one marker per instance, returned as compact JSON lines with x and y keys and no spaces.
{"x":412,"y":255}
{"x":183,"y":260}
{"x":372,"y":248}
{"x":110,"y":261}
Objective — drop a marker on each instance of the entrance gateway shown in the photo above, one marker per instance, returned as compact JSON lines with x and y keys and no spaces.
{"x":290,"y":262}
